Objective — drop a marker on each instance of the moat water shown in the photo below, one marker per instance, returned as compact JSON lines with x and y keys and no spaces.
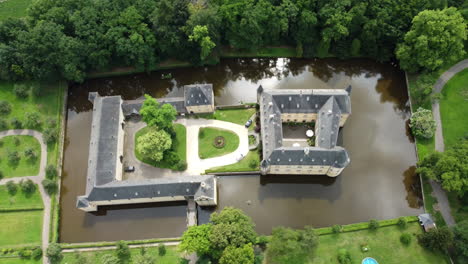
{"x":379,"y":183}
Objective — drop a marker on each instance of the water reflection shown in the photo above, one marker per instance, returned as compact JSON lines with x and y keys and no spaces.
{"x":379,"y":183}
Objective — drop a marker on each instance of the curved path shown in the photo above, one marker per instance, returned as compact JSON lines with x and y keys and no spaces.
{"x":439,"y":193}
{"x":196,"y":165}
{"x":37,"y":179}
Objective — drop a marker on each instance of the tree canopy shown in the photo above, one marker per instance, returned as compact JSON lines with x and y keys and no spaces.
{"x":292,"y":246}
{"x":460,"y":238}
{"x":156,"y":115}
{"x":153,"y":144}
{"x":449,"y":167}
{"x":422,"y":123}
{"x":435,"y":37}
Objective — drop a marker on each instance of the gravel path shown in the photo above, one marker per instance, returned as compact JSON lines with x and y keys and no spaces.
{"x":37,"y":179}
{"x":438,"y":192}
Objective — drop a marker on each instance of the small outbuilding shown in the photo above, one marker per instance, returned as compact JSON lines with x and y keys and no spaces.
{"x":425,"y":220}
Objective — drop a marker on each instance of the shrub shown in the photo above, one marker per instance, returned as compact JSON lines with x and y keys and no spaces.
{"x":54,"y":253}
{"x":21,"y":91}
{"x":402,"y":223}
{"x":344,"y":257}
{"x":27,"y":186}
{"x":5,"y":107}
{"x":17,"y":141}
{"x":181,"y":165}
{"x":252,"y":164}
{"x":30,"y":154}
{"x":436,"y":239}
{"x":122,"y":251}
{"x":13,"y":157}
{"x":25,"y":253}
{"x":16,"y":123}
{"x":50,"y":186}
{"x":405,"y":238}
{"x":337,"y":229}
{"x":51,"y":123}
{"x":262,"y":240}
{"x":422,"y":123}
{"x":109,"y":259}
{"x":51,"y":171}
{"x":1,"y":175}
{"x":37,"y":253}
{"x":50,"y":135}
{"x":3,"y":124}
{"x":32,"y":120}
{"x":373,"y":224}
{"x":161,"y":249}
{"x":12,"y":188}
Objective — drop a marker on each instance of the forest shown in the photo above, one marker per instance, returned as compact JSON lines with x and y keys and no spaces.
{"x":66,"y":39}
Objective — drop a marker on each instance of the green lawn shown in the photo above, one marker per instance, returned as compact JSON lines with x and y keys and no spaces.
{"x":25,"y":166}
{"x":236,"y":116}
{"x":454,"y":108}
{"x":13,"y":8}
{"x":20,"y":228}
{"x":179,"y":144}
{"x":19,"y":261}
{"x":19,"y":200}
{"x":243,"y":165}
{"x":172,"y":256}
{"x":384,"y":245}
{"x":206,"y":138}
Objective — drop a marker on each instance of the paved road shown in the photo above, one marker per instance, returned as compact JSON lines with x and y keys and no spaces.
{"x":438,"y":192}
{"x":37,"y":179}
{"x":196,"y":165}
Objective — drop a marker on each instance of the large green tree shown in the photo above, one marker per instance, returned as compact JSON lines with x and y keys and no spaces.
{"x":240,"y":255}
{"x":292,"y":246}
{"x":460,"y":239}
{"x":153,"y":144}
{"x":156,"y":115}
{"x":422,"y":123}
{"x":200,"y":35}
{"x":436,"y":37}
{"x":197,"y":240}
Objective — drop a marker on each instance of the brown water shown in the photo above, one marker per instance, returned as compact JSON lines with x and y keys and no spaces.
{"x":379,"y":183}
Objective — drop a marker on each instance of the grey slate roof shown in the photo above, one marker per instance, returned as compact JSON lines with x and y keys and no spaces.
{"x":198,"y":94}
{"x":132,"y":107}
{"x":103,"y":143}
{"x":328,"y":104}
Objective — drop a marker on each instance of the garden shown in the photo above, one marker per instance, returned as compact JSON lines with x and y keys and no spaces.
{"x":214,"y":142}
{"x":19,"y":156}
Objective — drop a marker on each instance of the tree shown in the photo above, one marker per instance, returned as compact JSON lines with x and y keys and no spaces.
{"x":50,"y":135}
{"x":405,"y":238}
{"x":50,"y":186}
{"x":422,"y":123}
{"x":37,"y":253}
{"x":54,"y":253}
{"x":13,"y":157}
{"x":109,"y":259}
{"x":448,"y":167}
{"x":16,"y":123}
{"x":32,"y":120}
{"x":200,"y":35}
{"x":241,"y":255}
{"x":196,"y":239}
{"x":144,"y":259}
{"x":30,"y":154}
{"x":153,"y":144}
{"x":402,"y":222}
{"x":231,"y":227}
{"x":21,"y":90}
{"x":344,"y":257}
{"x":123,"y":251}
{"x":161,"y":249}
{"x":27,"y":186}
{"x":436,"y":37}
{"x":373,"y":224}
{"x":460,"y":239}
{"x":436,"y":239}
{"x":291,"y":246}
{"x":51,"y":171}
{"x":5,"y":107}
{"x":159,"y":116}
{"x":12,"y":188}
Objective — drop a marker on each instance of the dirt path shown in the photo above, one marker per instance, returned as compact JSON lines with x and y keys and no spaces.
{"x":438,"y":192}
{"x":37,"y":179}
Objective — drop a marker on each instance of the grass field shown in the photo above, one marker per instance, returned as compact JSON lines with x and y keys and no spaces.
{"x":179,"y":144}
{"x":172,"y":256}
{"x":454,"y":108}
{"x":25,"y":166}
{"x":13,"y":8}
{"x":236,"y":116}
{"x":19,"y":261}
{"x":206,"y":138}
{"x":384,"y":245}
{"x":20,"y":228}
{"x":19,"y":200}
{"x":243,"y":165}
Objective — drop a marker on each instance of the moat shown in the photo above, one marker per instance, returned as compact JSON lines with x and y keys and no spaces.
{"x":379,"y":182}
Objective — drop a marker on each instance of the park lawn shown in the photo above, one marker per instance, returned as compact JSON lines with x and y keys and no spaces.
{"x":179,"y":144}
{"x":20,"y":200}
{"x":206,"y":138}
{"x":172,"y":256}
{"x":24,"y":167}
{"x":384,"y":245}
{"x":19,"y":261}
{"x":13,"y":8}
{"x":243,"y":165}
{"x":454,"y":109}
{"x":20,"y":228}
{"x":236,"y":116}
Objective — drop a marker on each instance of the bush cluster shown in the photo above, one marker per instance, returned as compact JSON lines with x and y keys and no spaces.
{"x":5,"y":107}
